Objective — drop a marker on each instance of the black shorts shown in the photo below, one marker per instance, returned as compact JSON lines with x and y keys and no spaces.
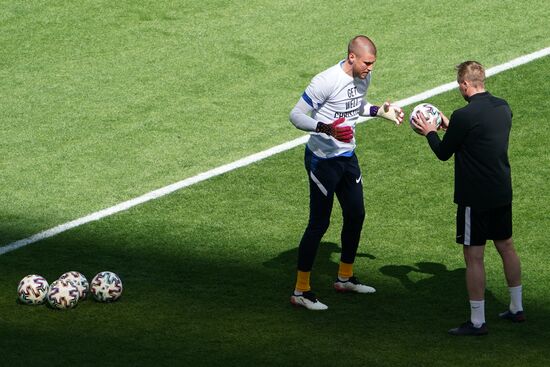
{"x":475,"y":226}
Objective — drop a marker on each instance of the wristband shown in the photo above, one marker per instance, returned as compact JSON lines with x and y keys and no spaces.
{"x":374,"y":110}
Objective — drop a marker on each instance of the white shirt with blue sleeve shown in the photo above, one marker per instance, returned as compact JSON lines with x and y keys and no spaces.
{"x":330,"y":95}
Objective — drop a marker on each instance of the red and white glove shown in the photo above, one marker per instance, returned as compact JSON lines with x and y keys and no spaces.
{"x":342,"y":133}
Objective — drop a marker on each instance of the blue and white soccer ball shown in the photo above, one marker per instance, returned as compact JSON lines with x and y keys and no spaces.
{"x":430,"y":112}
{"x":106,"y":287}
{"x":32,"y":289}
{"x":63,"y":294}
{"x":79,"y":281}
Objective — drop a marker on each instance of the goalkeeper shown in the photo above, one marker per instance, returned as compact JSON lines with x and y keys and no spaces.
{"x":329,"y":109}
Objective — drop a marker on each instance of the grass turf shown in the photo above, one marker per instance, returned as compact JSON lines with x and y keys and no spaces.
{"x":208,"y":270}
{"x":102,"y":102}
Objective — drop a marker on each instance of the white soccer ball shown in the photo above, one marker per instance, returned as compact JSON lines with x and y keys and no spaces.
{"x":106,"y":287}
{"x":63,"y":294}
{"x":32,"y":289}
{"x":430,"y":112}
{"x":80,"y":281}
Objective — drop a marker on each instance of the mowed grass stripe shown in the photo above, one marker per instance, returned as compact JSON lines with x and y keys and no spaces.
{"x":208,"y":270}
{"x":242,"y":162}
{"x":144,"y":93}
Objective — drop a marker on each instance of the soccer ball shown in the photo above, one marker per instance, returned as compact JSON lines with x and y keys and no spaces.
{"x":80,"y":281}
{"x":430,"y":112}
{"x":32,"y":290}
{"x":106,"y":287}
{"x":63,"y":294}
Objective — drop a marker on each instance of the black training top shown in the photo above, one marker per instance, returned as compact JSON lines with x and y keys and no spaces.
{"x":478,"y":136}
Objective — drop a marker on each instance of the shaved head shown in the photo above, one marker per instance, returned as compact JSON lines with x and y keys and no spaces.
{"x":361,"y":57}
{"x":360,"y":44}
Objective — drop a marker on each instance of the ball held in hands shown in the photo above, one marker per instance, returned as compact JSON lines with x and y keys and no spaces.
{"x":431,"y":116}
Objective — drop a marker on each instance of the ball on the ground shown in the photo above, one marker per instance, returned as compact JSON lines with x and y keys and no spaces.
{"x":106,"y":287}
{"x":80,"y":281}
{"x":63,"y":294}
{"x":430,"y":112}
{"x":32,"y":289}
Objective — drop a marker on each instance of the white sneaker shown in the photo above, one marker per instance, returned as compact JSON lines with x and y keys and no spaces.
{"x":352,"y":285}
{"x":307,"y":300}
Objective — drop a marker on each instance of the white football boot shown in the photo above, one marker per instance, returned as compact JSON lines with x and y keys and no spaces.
{"x":307,"y":300}
{"x":352,"y":285}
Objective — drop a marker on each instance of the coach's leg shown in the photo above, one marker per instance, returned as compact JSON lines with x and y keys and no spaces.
{"x":475,"y":283}
{"x":512,"y":272}
{"x":475,"y":271}
{"x":510,"y":261}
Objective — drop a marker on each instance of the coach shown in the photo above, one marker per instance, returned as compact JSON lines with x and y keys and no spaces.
{"x":478,"y":135}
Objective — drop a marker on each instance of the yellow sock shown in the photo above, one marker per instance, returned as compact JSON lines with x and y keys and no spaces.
{"x":345,"y":270}
{"x":302,"y":281}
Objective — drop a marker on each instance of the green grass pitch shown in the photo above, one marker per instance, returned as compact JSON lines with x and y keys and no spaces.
{"x":105,"y":101}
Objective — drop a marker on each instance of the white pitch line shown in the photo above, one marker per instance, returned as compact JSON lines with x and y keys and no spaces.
{"x":244,"y":161}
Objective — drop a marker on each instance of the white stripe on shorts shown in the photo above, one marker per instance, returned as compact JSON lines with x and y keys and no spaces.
{"x":318,"y":183}
{"x":467,"y":225}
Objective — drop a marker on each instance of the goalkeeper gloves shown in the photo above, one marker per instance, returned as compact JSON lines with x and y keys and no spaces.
{"x":391,"y":112}
{"x":342,"y":133}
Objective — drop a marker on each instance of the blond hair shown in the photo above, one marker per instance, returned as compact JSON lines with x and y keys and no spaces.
{"x":471,"y":71}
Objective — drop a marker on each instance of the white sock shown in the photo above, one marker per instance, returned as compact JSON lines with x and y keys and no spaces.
{"x":477,"y":313}
{"x":298,"y":293}
{"x":343,"y":279}
{"x":515,"y":299}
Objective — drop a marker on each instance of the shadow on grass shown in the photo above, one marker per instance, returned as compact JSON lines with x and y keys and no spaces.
{"x":435,"y":291}
{"x":326,"y":261}
{"x":438,"y":279}
{"x":184,"y":306}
